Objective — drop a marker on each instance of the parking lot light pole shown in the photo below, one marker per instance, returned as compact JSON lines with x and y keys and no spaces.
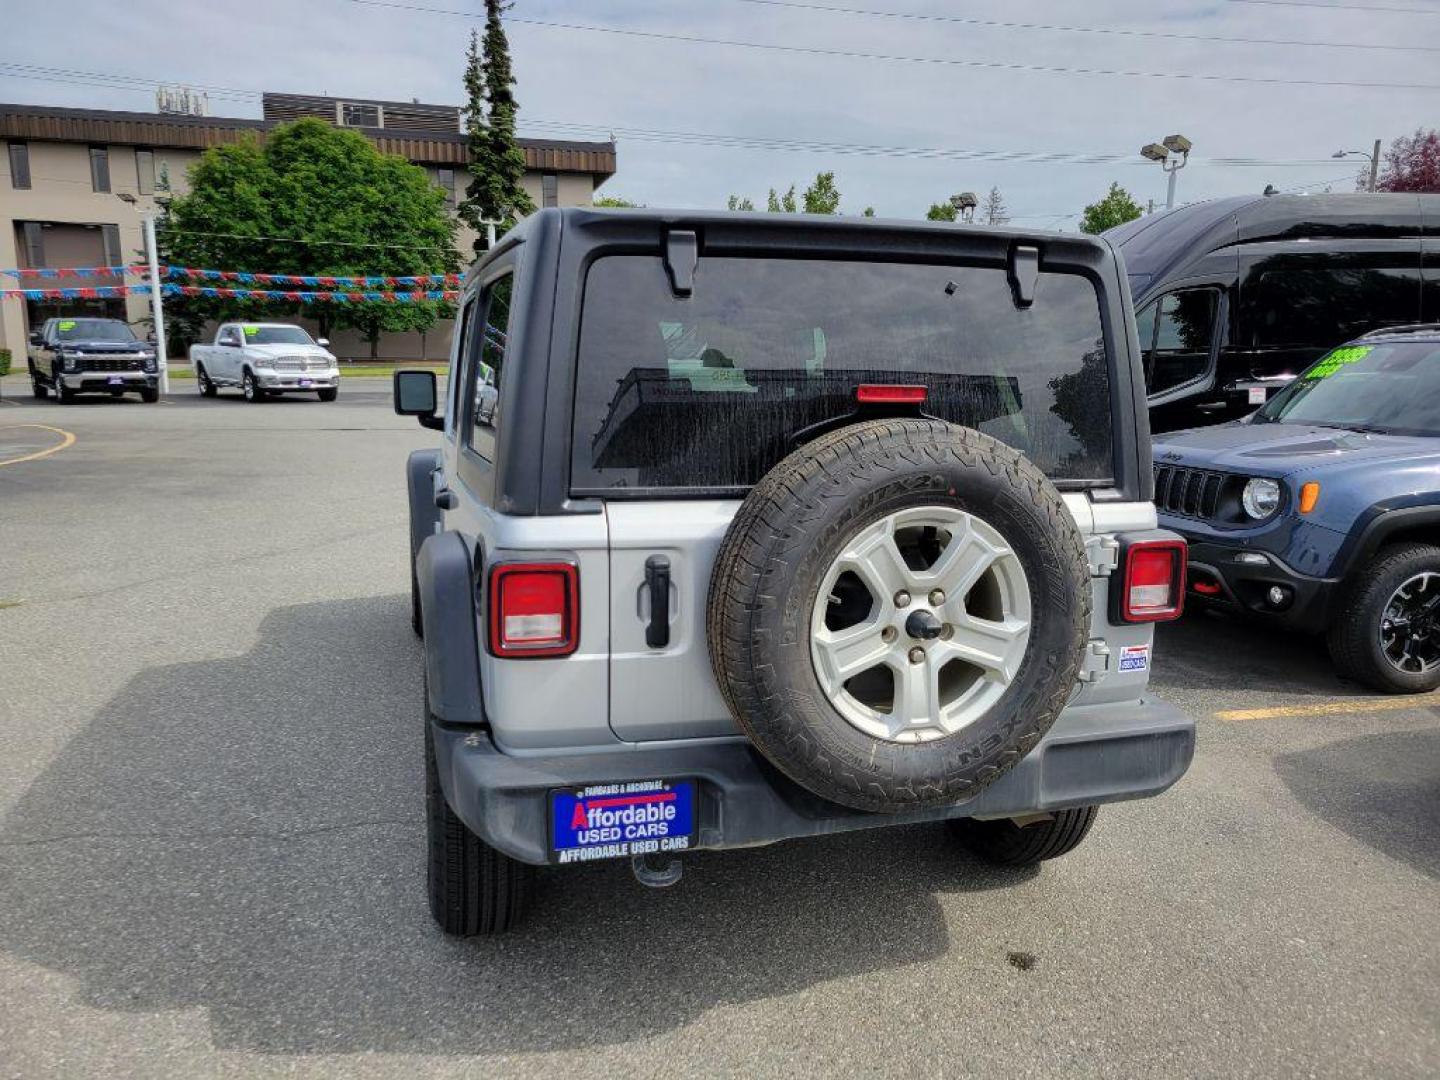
{"x":1374,"y":157}
{"x":157,"y":312}
{"x":1173,"y":155}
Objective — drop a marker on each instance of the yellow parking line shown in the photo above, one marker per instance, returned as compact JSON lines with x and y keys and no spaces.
{"x":68,"y":440}
{"x":1342,"y":707}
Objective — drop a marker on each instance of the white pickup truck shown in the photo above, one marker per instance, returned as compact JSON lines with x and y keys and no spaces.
{"x":264,"y":359}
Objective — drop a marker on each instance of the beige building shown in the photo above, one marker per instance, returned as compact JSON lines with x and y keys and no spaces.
{"x":64,"y":173}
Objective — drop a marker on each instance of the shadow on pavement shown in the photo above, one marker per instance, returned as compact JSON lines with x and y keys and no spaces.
{"x":1383,"y":790}
{"x":1211,"y":651}
{"x":246,"y":836}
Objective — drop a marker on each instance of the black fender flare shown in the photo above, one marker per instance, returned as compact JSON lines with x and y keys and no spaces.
{"x":445,"y":573}
{"x":1382,"y":523}
{"x":419,"y":482}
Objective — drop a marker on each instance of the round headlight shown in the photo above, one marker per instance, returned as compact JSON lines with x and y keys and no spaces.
{"x":1261,"y":498}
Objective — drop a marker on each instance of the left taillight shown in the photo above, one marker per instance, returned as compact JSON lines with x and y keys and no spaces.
{"x":1152,"y":580}
{"x":534,"y":609}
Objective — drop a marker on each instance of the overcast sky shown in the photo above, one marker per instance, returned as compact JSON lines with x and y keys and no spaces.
{"x":603,"y":81}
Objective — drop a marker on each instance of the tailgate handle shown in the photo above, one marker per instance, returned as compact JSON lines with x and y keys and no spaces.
{"x":657,"y":580}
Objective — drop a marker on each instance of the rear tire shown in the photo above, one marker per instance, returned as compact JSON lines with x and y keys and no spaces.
{"x":1006,"y":844}
{"x":1356,"y":636}
{"x":329,"y":393}
{"x":474,"y":889}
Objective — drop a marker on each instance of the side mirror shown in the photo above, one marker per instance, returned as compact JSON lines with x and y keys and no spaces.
{"x":37,"y":338}
{"x":323,"y":342}
{"x":415,"y":396}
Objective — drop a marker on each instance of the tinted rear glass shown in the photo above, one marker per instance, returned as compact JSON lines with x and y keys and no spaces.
{"x":710,"y":391}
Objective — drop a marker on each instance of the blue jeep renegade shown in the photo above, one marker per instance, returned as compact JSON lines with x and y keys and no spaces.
{"x":1321,"y":511}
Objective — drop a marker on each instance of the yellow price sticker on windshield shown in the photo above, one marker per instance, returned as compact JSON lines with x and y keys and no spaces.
{"x":67,"y":324}
{"x":1338,"y":359}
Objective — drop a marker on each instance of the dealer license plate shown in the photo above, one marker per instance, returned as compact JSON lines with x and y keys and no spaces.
{"x":115,"y":380}
{"x":614,"y":821}
{"x":304,"y":382}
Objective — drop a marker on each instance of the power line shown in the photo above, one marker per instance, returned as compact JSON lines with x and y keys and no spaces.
{"x":1337,"y":7}
{"x":1059,"y":28}
{"x":938,"y":61}
{"x":761,"y":142}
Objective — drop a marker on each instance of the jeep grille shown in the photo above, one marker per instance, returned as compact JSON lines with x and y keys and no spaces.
{"x":1187,"y":492}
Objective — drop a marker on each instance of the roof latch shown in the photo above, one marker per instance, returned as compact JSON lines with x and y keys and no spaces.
{"x":1024,"y":271}
{"x":682,"y":253}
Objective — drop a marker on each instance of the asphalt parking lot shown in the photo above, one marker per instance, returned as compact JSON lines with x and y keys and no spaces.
{"x":211,"y":831}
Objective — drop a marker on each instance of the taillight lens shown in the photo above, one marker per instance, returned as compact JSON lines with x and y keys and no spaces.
{"x":534,"y":609}
{"x":1153,"y":587}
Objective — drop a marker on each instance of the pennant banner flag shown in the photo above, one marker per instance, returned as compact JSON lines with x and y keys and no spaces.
{"x":313,"y":281}
{"x":309,"y":297}
{"x":23,"y":274}
{"x":98,"y":292}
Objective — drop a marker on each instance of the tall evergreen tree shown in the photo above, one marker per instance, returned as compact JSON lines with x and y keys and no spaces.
{"x":497,"y":164}
{"x":475,"y":133}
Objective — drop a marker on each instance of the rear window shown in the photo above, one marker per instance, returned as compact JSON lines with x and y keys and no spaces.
{"x":710,"y":391}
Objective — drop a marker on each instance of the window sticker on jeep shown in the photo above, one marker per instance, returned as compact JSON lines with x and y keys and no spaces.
{"x":251,"y":331}
{"x":615,"y":821}
{"x":1135,"y":658}
{"x":1338,"y":359}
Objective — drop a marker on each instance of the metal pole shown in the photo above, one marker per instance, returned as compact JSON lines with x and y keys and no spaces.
{"x":490,"y":231}
{"x":156,"y":309}
{"x":1375,"y":167}
{"x":1170,"y":190}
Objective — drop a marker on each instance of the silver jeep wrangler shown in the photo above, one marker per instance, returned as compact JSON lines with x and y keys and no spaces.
{"x":750,"y":527}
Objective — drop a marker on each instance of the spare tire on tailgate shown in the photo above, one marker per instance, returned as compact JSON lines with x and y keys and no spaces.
{"x":898,"y":613}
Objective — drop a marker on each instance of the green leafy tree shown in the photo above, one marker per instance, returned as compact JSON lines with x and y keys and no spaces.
{"x":822,"y":197}
{"x":781,"y":204}
{"x":735,"y":202}
{"x":941,"y":211}
{"x":869,"y":211}
{"x":497,"y":164}
{"x":615,"y":201}
{"x":1116,"y":208}
{"x":311,"y":200}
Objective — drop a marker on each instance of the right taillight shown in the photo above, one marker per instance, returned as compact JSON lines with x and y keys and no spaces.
{"x":1152,"y":580}
{"x":534,"y":609}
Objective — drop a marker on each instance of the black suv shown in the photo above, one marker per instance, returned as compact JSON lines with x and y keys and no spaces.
{"x":749,"y":527}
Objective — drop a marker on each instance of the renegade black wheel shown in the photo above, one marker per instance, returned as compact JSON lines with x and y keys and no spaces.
{"x":474,"y":889}
{"x":898,"y":612}
{"x":1008,"y":844}
{"x":250,"y":388}
{"x":202,"y":378}
{"x":329,"y":393}
{"x":1387,"y":633}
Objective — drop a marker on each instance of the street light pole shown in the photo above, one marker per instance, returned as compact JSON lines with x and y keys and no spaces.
{"x":1173,"y":155}
{"x":1374,"y":157}
{"x":156,"y":307}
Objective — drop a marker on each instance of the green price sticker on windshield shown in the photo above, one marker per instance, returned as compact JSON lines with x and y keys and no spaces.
{"x":1338,"y":359}
{"x":251,"y":331}
{"x":67,"y":324}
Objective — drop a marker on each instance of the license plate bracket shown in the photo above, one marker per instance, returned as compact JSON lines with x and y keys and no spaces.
{"x":115,"y":380}
{"x":621,"y":819}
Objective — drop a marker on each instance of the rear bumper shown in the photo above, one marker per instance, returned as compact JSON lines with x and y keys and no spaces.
{"x":1245,"y":587}
{"x":1093,"y":754}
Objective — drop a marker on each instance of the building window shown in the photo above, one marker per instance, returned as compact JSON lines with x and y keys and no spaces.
{"x":145,"y":172}
{"x":446,"y":179}
{"x":549,"y":190}
{"x":99,"y":168}
{"x":352,"y":115}
{"x":110,"y":237}
{"x":34,"y":245}
{"x":20,"y":166}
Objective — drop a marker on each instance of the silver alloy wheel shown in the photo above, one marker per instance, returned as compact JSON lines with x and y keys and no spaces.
{"x":202,"y":377}
{"x":248,"y":387}
{"x":920,"y":624}
{"x":1410,"y":624}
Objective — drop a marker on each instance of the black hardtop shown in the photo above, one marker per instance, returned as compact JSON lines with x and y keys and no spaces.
{"x":551,"y":252}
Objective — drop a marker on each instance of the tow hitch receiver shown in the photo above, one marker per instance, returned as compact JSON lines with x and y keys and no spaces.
{"x":654,"y":876}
